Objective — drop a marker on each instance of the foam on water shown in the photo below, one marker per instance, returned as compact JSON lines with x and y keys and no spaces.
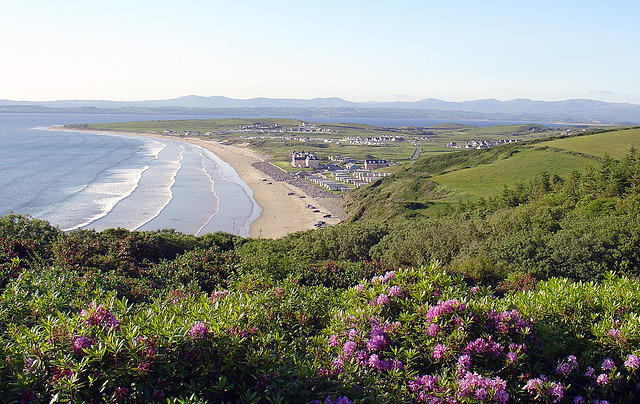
{"x":203,"y":167}
{"x":153,"y":193}
{"x":107,"y":194}
{"x":97,"y":181}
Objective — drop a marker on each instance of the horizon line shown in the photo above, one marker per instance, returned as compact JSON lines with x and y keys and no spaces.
{"x":321,"y":98}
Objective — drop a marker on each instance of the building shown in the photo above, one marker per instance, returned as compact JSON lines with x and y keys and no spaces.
{"x":373,"y":164}
{"x":304,"y":159}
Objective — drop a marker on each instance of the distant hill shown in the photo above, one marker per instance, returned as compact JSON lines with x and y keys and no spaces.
{"x":523,"y":110}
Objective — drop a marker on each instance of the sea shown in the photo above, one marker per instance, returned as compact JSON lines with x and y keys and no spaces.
{"x":79,"y":180}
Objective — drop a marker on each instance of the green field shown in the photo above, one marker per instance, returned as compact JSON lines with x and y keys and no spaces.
{"x":528,"y":163}
{"x":616,"y":144}
{"x":431,"y":141}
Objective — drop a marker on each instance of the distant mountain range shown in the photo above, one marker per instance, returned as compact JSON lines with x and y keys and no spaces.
{"x":573,"y":111}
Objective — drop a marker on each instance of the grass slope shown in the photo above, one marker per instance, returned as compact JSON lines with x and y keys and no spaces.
{"x":616,"y":144}
{"x":490,"y":179}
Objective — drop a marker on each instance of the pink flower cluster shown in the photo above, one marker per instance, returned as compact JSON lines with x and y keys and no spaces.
{"x":632,"y":363}
{"x":615,"y":334}
{"x":439,"y":351}
{"x":433,"y":330}
{"x":608,"y":364}
{"x":379,"y":339}
{"x":425,"y":387}
{"x":80,"y":344}
{"x":567,"y":366}
{"x":540,"y":386}
{"x":384,"y":279}
{"x":473,"y":385}
{"x":395,"y":291}
{"x":199,"y":330}
{"x":482,"y":346}
{"x":99,"y":315}
{"x":380,"y":364}
{"x":507,"y":321}
{"x":445,"y":307}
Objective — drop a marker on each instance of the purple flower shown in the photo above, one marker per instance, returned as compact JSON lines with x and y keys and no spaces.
{"x":632,"y":362}
{"x":439,"y":351}
{"x":359,"y":288}
{"x":80,"y":344}
{"x":433,"y":330}
{"x":375,"y":362}
{"x":388,"y":276}
{"x":349,"y":348}
{"x":475,"y":289}
{"x":556,"y":392}
{"x":512,"y":357}
{"x":480,"y":394}
{"x":391,"y":327}
{"x":578,"y":400}
{"x":533,"y":385}
{"x":614,"y":333}
{"x":603,"y":379}
{"x":608,"y":364}
{"x":99,"y":315}
{"x":333,"y":340}
{"x":337,"y":365}
{"x":590,"y":372}
{"x":353,"y":334}
{"x":382,"y":299}
{"x":445,"y":307}
{"x":377,"y":343}
{"x":338,"y":400}
{"x":507,"y":321}
{"x":199,"y":330}
{"x":473,"y":385}
{"x":567,"y":366}
{"x":518,"y":348}
{"x":480,"y":346}
{"x":426,"y":383}
{"x":395,"y":291}
{"x":464,"y":363}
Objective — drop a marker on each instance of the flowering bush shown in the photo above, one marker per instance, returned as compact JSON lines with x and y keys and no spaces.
{"x":206,"y":332}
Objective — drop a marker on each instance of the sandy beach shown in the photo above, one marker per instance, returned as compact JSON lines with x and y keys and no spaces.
{"x":281,"y":213}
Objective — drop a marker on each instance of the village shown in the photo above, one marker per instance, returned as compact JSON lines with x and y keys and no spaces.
{"x":480,"y":144}
{"x":341,"y":174}
{"x":301,"y":133}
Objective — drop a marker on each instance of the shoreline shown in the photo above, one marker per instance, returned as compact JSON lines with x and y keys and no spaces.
{"x":281,"y":214}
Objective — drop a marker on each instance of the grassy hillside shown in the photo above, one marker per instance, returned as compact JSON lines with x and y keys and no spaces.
{"x":430,"y":184}
{"x":489,"y":179}
{"x":616,"y":143}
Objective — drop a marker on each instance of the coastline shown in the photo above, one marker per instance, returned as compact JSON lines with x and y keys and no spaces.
{"x":281,"y":213}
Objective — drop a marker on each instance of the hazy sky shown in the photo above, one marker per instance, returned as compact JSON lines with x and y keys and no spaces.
{"x":357,"y":50}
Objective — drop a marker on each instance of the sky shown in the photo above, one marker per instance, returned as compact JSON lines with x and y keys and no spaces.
{"x":357,"y":50}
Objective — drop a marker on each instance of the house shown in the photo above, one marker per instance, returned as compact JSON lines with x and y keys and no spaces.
{"x":371,"y":164}
{"x":304,"y":159}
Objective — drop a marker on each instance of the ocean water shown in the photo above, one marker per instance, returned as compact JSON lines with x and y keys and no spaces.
{"x":82,"y":180}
